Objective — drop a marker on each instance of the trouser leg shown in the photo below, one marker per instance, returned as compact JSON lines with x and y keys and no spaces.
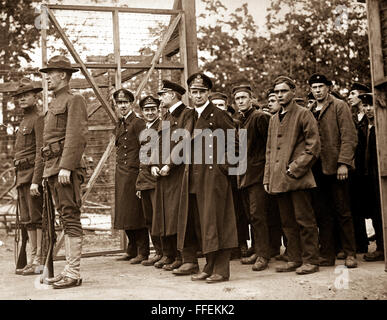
{"x":274,"y":226}
{"x":191,"y":240}
{"x":131,"y":250}
{"x":222,"y":263}
{"x":169,"y":244}
{"x":142,"y":241}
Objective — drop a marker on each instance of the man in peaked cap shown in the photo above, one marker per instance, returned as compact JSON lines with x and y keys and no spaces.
{"x":220,"y":99}
{"x":272,"y":101}
{"x":128,"y":210}
{"x":64,"y":141}
{"x":206,"y":210}
{"x":146,"y":182}
{"x":256,"y":124}
{"x":169,"y":177}
{"x":338,"y":142}
{"x":29,"y":169}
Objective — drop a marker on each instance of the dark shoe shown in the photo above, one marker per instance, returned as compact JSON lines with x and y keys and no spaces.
{"x":20,"y":271}
{"x":216,"y":278}
{"x":138,"y":259}
{"x":341,"y":255}
{"x":200,"y":277}
{"x":377,"y":255}
{"x":67,"y":282}
{"x":52,"y":280}
{"x":324,"y":262}
{"x":372,"y":238}
{"x":249,"y":260}
{"x":288,"y":267}
{"x":250,"y":251}
{"x":33,"y":270}
{"x":350,"y":262}
{"x":151,"y":261}
{"x":125,"y":258}
{"x":163,"y":261}
{"x":260,"y":264}
{"x":307,"y":268}
{"x":186,"y":269}
{"x":282,"y":257}
{"x":174,"y":265}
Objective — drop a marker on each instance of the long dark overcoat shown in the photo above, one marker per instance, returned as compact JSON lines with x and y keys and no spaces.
{"x":212,"y":185}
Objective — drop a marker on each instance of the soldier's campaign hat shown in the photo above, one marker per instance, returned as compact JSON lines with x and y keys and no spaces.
{"x":246,"y":87}
{"x":59,"y":63}
{"x":319,"y":78}
{"x":269,"y":92}
{"x":26,"y":85}
{"x":123,"y":95}
{"x":199,"y":81}
{"x":367,"y":98}
{"x":284,"y":79}
{"x":360,"y":87}
{"x":149,"y":101}
{"x":311,"y":96}
{"x":171,"y":86}
{"x":218,"y":95}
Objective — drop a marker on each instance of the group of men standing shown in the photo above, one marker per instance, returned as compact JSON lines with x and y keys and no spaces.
{"x":301,"y":165}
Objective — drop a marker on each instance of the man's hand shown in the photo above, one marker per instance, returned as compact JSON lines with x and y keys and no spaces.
{"x":342,"y":172}
{"x":64,"y":176}
{"x":266,"y":186}
{"x":34,"y":190}
{"x":138,"y":194}
{"x":165,"y":170}
{"x":155,"y":171}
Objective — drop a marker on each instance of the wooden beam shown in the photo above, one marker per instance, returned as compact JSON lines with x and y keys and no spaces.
{"x":377,"y":74}
{"x":129,"y":66}
{"x":189,"y":9}
{"x":112,"y":9}
{"x":183,"y":57}
{"x":86,"y":73}
{"x":116,"y":42}
{"x":44,"y":23}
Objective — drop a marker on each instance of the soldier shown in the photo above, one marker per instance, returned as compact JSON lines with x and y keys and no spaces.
{"x":168,"y":182}
{"x":207,"y":217}
{"x":293,"y":144}
{"x":64,"y":141}
{"x":29,"y":170}
{"x":338,"y":142}
{"x":146,"y":183}
{"x":128,"y":211}
{"x":256,"y":124}
{"x":219,"y":100}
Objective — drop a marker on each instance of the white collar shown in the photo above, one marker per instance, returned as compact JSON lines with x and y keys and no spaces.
{"x":126,"y":117}
{"x":149,"y":124}
{"x":174,"y":107}
{"x":200,"y":110}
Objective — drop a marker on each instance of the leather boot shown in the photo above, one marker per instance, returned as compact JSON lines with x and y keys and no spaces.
{"x":31,"y":269}
{"x":73,"y":246}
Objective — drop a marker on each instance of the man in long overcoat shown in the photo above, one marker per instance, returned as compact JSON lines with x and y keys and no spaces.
{"x":128,"y":211}
{"x":206,"y":210}
{"x":293,"y":145}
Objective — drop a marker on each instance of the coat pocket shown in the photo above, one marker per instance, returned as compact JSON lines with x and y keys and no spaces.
{"x":28,"y":136}
{"x":61,"y":116}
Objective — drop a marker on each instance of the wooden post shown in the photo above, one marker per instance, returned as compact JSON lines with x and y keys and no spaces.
{"x":377,"y":75}
{"x":188,"y":7}
{"x":117,"y":55}
{"x":44,"y":25}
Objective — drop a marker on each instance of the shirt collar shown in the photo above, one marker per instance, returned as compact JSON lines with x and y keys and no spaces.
{"x":61,"y":91}
{"x":126,"y":117}
{"x":150,"y":124}
{"x":174,"y":107}
{"x":200,"y":110}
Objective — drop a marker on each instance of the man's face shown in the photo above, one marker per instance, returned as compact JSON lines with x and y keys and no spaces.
{"x":284,"y":93}
{"x":123,"y":107}
{"x":242,"y":100}
{"x":166,"y":99}
{"x":353,"y":98}
{"x":150,"y":113}
{"x":199,"y":96}
{"x":369,"y":111}
{"x":219,"y":103}
{"x":310,"y":102}
{"x":54,"y":79}
{"x":320,"y":91}
{"x":272,"y":104}
{"x":26,"y":100}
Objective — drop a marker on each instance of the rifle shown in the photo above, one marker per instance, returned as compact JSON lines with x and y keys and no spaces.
{"x":49,"y":217}
{"x":20,"y":253}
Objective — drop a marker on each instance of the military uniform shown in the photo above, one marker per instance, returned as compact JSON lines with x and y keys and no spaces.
{"x":128,"y":211}
{"x":29,"y":169}
{"x":64,"y":141}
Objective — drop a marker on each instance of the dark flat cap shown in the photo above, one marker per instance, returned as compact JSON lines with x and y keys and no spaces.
{"x":284,"y":79}
{"x":171,"y":86}
{"x":123,"y":95}
{"x":367,"y":98}
{"x":319,"y":78}
{"x":59,"y":63}
{"x":218,"y":95}
{"x":269,"y":92}
{"x":149,"y":101}
{"x":360,"y":87}
{"x":26,"y":85}
{"x":199,"y":81}
{"x":245,"y":87}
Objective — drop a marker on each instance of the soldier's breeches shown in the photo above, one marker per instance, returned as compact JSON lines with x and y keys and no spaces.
{"x":30,"y":207}
{"x":67,"y":200}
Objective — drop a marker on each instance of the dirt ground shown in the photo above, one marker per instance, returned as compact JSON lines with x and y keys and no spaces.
{"x":104,"y":278}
